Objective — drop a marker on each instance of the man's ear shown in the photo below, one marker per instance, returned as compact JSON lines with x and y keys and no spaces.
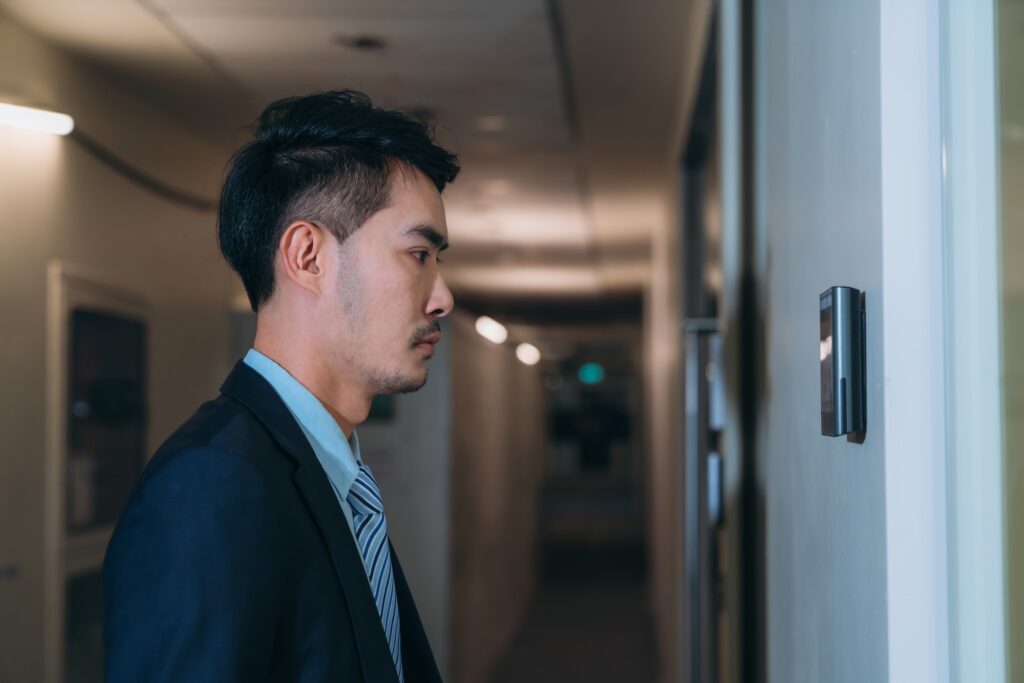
{"x":302,"y":253}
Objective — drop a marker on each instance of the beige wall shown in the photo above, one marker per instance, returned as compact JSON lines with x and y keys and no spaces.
{"x":1011,"y":69}
{"x":499,"y":439}
{"x":58,"y":202}
{"x":460,"y":468}
{"x":663,"y":374}
{"x":664,"y":447}
{"x":1013,"y":386}
{"x":411,"y":460}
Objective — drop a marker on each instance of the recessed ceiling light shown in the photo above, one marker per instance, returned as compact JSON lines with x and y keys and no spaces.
{"x":491,"y":123}
{"x":528,"y":354}
{"x":360,"y":41}
{"x":491,"y":330}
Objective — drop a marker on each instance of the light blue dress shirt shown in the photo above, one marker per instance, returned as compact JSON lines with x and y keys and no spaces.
{"x":337,"y":455}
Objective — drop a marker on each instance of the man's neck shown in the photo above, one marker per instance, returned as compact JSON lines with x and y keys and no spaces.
{"x":348,"y":408}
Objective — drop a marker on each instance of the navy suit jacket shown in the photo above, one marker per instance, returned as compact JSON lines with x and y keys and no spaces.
{"x":234,"y":562}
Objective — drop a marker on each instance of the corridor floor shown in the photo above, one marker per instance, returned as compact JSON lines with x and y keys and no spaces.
{"x":589,"y":622}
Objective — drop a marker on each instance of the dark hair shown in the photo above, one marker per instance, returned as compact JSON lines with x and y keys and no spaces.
{"x":326,"y":157}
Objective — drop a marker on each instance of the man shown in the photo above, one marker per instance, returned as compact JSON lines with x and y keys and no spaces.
{"x":255,"y":546}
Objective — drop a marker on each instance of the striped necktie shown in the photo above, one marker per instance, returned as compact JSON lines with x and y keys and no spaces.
{"x":371,"y":532}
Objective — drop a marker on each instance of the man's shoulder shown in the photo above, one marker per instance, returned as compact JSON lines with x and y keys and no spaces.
{"x":209,"y":491}
{"x":215,"y":424}
{"x":219,"y":429}
{"x":220,"y":459}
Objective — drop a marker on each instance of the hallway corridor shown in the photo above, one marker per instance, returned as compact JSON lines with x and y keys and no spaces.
{"x":589,"y":622}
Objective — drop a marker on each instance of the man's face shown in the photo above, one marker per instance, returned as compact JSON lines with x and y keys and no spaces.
{"x":382,"y":317}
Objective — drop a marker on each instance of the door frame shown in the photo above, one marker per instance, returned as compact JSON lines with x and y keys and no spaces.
{"x":68,"y":286}
{"x":974,"y":402}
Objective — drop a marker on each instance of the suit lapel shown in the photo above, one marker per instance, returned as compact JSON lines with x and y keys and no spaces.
{"x":249,"y":388}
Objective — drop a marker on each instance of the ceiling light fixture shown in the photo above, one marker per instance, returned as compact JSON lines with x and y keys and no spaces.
{"x":528,"y":354}
{"x":39,"y":120}
{"x":491,"y":330}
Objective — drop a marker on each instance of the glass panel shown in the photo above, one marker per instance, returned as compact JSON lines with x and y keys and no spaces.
{"x":107,"y":414}
{"x":84,"y":634}
{"x":1011,"y":114}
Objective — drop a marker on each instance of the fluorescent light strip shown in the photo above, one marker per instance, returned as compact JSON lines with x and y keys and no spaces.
{"x":39,"y":120}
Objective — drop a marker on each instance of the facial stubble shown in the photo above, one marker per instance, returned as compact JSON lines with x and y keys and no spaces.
{"x":379,"y":379}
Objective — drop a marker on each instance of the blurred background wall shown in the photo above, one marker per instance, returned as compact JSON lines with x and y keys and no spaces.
{"x":500,"y":438}
{"x":60,"y":203}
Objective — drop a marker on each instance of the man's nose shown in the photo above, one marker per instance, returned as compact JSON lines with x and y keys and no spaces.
{"x":441,"y":299}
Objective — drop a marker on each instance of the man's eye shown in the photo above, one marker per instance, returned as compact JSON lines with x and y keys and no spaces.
{"x":421,"y":256}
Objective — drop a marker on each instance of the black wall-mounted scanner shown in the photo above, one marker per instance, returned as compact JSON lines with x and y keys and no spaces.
{"x":843,"y":382}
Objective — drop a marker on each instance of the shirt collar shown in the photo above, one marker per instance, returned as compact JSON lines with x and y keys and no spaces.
{"x":340,"y":457}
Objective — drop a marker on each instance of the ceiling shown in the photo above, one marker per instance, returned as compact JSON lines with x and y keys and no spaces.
{"x":565,"y":113}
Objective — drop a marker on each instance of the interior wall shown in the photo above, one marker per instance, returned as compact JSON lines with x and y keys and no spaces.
{"x":410,"y":455}
{"x":499,"y":429}
{"x":738,"y":561}
{"x":61,"y":203}
{"x":820,"y":215}
{"x":1013,"y":386}
{"x":914,"y":319}
{"x":662,"y":356}
{"x":1011,"y":95}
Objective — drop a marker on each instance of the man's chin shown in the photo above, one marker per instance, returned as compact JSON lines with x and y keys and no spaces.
{"x":401,"y":384}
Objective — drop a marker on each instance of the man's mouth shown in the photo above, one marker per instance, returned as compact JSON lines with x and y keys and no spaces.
{"x":426,"y":348}
{"x":426,"y":344}
{"x":431,"y":339}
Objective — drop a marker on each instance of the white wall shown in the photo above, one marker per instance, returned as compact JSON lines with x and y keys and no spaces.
{"x":848,"y":194}
{"x":58,"y":202}
{"x":913,"y":344}
{"x":821,"y":215}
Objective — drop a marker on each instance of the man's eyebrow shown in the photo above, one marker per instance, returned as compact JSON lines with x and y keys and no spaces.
{"x":428,"y":233}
